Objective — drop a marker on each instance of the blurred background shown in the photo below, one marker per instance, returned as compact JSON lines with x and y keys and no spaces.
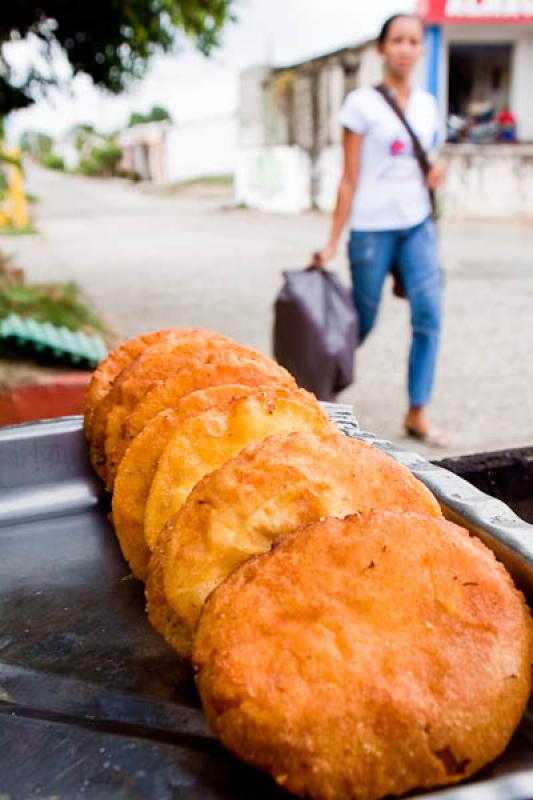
{"x":163,"y":164}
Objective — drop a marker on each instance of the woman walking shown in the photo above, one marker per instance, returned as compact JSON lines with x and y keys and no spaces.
{"x":385,"y":196}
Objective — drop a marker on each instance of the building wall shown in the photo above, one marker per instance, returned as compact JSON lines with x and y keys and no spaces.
{"x":165,"y":153}
{"x":297,"y":160}
{"x":208,"y":147}
{"x":371,"y":71}
{"x":144,"y":151}
{"x":274,"y":179}
{"x":521,"y":69}
{"x":522,"y":89}
{"x":251,"y":114}
{"x":491,"y":181}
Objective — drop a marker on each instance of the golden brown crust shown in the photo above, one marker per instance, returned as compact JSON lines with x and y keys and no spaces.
{"x":205,"y":441}
{"x":118,"y":359}
{"x":366,"y":657}
{"x":119,"y":365}
{"x":155,"y":364}
{"x":167,"y":394}
{"x":160,"y":614}
{"x":268,"y":490}
{"x":131,"y":489}
{"x":137,"y":469}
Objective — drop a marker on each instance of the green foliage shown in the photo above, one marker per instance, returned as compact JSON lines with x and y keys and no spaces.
{"x":28,"y":230}
{"x":101,"y":160}
{"x":203,"y":180}
{"x":136,"y":119}
{"x":157,"y":114}
{"x":88,"y":167}
{"x":44,"y":144}
{"x":7,"y":159}
{"x":84,"y":134}
{"x":53,"y":162}
{"x":59,"y":304}
{"x":129,"y":175}
{"x":26,"y":142}
{"x":109,"y":41}
{"x":36,"y":143}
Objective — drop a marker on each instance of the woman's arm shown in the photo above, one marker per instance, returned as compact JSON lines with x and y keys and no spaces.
{"x":347,"y":186}
{"x":437,"y":175}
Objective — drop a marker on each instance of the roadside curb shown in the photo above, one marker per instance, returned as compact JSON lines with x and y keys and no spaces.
{"x":60,"y":396}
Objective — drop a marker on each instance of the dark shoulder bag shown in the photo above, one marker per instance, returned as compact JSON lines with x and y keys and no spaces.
{"x":424,"y":164}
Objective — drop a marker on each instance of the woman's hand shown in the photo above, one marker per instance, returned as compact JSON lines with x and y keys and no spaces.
{"x":320,"y":259}
{"x":436,"y":175}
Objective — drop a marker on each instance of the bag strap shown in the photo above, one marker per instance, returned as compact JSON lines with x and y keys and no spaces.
{"x":419,"y":152}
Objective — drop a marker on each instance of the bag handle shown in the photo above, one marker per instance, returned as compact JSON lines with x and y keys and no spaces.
{"x":420,"y":154}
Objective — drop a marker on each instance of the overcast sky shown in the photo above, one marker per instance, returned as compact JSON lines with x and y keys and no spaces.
{"x":193,"y":87}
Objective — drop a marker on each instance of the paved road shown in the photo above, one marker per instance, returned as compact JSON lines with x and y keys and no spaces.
{"x":152,"y":261}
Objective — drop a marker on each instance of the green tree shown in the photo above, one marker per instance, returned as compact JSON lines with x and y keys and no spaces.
{"x":157,"y":114}
{"x":109,"y":41}
{"x":136,"y":119}
{"x":101,"y":160}
{"x":53,"y":162}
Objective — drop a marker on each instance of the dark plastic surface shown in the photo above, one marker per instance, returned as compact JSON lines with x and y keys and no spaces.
{"x":92,"y":702}
{"x":506,"y":475}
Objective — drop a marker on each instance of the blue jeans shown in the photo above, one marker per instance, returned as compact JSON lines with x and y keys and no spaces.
{"x":414,"y":250}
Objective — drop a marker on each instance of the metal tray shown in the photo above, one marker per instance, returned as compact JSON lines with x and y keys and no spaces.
{"x":92,"y":702}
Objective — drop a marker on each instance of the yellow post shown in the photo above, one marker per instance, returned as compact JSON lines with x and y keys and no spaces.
{"x":17,"y":196}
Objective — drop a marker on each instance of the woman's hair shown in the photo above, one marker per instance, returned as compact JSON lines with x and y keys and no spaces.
{"x":384,"y":32}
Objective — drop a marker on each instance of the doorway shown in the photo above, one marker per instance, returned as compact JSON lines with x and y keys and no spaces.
{"x":480,"y":74}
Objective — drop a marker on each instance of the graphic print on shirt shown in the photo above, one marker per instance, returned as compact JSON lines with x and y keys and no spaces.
{"x":401,"y":161}
{"x":397,"y":148}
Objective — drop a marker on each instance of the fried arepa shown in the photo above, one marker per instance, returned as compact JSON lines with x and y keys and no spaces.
{"x":208,"y":439}
{"x":367,"y":657}
{"x":155,"y":364}
{"x":168,"y":394}
{"x":137,"y":468}
{"x":122,"y":356}
{"x":136,"y":376}
{"x":265,"y":492}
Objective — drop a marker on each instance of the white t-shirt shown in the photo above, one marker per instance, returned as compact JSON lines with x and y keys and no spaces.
{"x":390,"y":193}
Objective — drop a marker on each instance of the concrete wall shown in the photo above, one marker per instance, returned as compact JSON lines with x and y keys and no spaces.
{"x":371,"y":71}
{"x":208,"y":147}
{"x":252,"y":109}
{"x":144,"y":150}
{"x":278,"y":179}
{"x":274,"y":179}
{"x":489,"y":181}
{"x":330,"y":170}
{"x":522,"y":88}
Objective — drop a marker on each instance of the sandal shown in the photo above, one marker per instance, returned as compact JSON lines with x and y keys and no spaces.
{"x":433,"y":437}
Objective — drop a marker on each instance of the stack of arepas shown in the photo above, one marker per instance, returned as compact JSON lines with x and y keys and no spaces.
{"x":346,"y":638}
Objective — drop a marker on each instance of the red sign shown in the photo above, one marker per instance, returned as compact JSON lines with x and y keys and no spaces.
{"x":472,"y":11}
